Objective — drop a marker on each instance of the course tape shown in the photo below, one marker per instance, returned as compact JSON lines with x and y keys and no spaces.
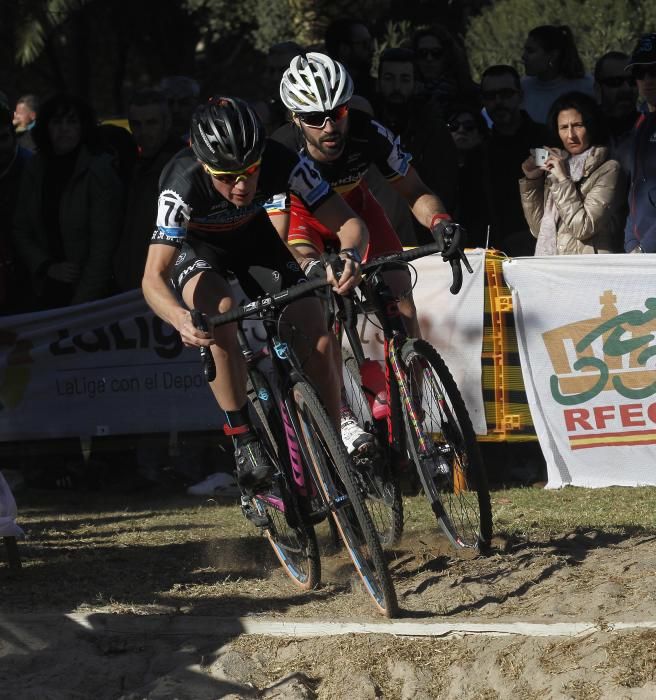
{"x":215,"y":626}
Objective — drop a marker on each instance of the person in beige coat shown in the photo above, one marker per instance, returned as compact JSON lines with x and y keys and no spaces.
{"x":573,"y":202}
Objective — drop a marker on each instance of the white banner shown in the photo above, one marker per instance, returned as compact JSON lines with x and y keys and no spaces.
{"x":452,"y":324}
{"x":586,"y":327}
{"x":105,"y":368}
{"x":111,"y":367}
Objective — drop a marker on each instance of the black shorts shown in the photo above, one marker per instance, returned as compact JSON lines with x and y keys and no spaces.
{"x":253,"y":253}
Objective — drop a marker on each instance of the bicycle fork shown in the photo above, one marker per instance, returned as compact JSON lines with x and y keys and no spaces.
{"x":427,"y":450}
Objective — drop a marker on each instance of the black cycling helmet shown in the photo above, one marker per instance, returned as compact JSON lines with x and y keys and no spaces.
{"x":226,"y":134}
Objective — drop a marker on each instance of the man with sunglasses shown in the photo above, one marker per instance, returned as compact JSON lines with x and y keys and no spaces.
{"x":640,"y":230}
{"x":419,"y":126}
{"x":343,"y":145}
{"x":213,"y":219}
{"x":511,"y":136}
{"x":617,"y":94}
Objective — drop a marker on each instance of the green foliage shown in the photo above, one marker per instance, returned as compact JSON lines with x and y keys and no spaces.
{"x":36,"y":20}
{"x":396,"y":34}
{"x":497,"y":35}
{"x":274,"y":23}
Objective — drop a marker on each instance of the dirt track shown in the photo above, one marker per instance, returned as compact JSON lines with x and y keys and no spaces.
{"x":595,"y":577}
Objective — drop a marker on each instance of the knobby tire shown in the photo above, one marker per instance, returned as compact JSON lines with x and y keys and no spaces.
{"x":292,"y":539}
{"x":451,"y":471}
{"x":333,"y":471}
{"x":374,"y":474}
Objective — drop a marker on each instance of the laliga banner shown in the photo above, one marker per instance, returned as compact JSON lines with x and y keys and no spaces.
{"x":452,"y":324}
{"x":586,"y":327}
{"x":104,"y":368}
{"x":112,"y":367}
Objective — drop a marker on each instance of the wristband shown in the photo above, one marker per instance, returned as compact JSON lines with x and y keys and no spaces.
{"x":437,"y":218}
{"x":352,"y":253}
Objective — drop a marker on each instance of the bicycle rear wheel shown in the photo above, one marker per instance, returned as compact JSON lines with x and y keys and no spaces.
{"x":327,"y":457}
{"x":442,"y":444}
{"x":276,"y":512}
{"x":373,"y":473}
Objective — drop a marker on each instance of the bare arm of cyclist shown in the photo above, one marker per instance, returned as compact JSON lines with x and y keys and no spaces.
{"x":337,"y":216}
{"x":280,"y":221}
{"x":158,"y":295}
{"x":423,"y":202}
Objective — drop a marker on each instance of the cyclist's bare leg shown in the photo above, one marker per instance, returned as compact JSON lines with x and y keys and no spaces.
{"x":400,"y":285}
{"x":314,"y":345}
{"x":210,"y":293}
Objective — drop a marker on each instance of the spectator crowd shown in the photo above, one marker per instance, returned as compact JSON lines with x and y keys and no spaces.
{"x":79,"y":197}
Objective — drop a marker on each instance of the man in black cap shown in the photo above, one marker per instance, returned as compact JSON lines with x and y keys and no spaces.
{"x":640,"y":230}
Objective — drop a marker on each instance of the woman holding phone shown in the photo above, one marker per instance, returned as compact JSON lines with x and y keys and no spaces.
{"x":574,"y":202}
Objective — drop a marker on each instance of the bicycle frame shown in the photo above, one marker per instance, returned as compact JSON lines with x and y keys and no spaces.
{"x":386,"y":309}
{"x":285,"y":374}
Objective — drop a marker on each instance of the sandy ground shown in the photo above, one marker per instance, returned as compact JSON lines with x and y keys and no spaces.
{"x":128,"y":640}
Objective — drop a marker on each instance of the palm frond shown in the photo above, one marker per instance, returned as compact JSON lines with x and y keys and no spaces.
{"x":37,"y":20}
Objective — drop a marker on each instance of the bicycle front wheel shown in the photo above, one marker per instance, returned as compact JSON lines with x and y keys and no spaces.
{"x":373,"y":472}
{"x":291,"y":537}
{"x":442,"y":444}
{"x":295,"y":546}
{"x":329,"y":461}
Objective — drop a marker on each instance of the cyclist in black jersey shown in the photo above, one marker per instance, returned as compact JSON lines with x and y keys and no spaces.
{"x":221,"y":208}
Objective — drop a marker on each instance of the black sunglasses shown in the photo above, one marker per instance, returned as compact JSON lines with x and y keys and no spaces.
{"x":317,"y":120}
{"x":617,"y":81}
{"x":502,"y":93}
{"x":467,"y":126}
{"x":641,"y":72}
{"x":430,"y":53}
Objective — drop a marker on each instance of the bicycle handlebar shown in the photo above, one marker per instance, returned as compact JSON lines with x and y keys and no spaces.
{"x":209,"y":367}
{"x":279,"y":299}
{"x":420,"y":252}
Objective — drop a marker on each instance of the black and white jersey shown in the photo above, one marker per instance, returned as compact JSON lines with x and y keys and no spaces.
{"x":190,"y":208}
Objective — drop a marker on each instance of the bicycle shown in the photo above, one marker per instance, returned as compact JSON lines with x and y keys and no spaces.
{"x":420,"y":413}
{"x":314,"y":476}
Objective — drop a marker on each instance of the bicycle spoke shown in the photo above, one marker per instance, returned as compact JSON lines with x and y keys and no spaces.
{"x":444,"y":448}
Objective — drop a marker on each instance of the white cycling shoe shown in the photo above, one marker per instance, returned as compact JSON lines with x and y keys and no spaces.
{"x":354,"y":437}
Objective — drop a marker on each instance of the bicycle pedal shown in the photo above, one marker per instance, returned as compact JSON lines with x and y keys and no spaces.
{"x":436,"y":465}
{"x":314,"y":514}
{"x":258,"y":519}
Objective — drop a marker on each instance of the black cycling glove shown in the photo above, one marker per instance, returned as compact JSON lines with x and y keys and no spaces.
{"x":452,"y":236}
{"x":315,"y":270}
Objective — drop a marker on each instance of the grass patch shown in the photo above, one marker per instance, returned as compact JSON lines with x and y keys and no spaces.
{"x":151,"y":550}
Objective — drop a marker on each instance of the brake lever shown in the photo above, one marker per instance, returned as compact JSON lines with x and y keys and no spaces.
{"x":209,"y":368}
{"x":465,"y":262}
{"x":456,"y":271}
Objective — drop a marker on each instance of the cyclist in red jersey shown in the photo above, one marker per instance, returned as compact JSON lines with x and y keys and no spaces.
{"x":342,"y":146}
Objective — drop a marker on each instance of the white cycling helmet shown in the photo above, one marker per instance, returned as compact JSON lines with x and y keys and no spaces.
{"x":315,"y":82}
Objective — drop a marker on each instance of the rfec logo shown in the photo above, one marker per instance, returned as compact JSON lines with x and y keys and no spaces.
{"x":609,"y":358}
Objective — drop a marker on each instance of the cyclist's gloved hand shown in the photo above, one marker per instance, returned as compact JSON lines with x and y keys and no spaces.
{"x":451,"y":235}
{"x":344,"y":271}
{"x":315,"y":269}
